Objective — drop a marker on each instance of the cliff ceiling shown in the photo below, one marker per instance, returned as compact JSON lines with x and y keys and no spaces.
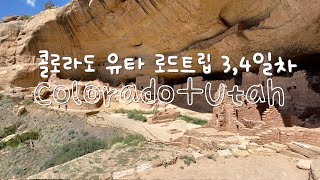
{"x":142,"y":28}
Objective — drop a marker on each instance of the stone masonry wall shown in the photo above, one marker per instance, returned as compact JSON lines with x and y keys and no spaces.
{"x":285,"y":135}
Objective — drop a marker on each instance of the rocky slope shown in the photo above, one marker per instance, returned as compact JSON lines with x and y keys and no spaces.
{"x":142,"y":28}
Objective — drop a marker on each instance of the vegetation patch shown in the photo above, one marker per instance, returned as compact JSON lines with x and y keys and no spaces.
{"x":25,"y":17}
{"x":20,"y":138}
{"x":74,"y":150}
{"x":8,"y":131}
{"x":188,"y":160}
{"x":125,"y":111}
{"x":88,"y":145}
{"x":130,"y":140}
{"x":29,"y":136}
{"x":137,"y":115}
{"x":194,"y":120}
{"x":27,"y":102}
{"x":6,"y":101}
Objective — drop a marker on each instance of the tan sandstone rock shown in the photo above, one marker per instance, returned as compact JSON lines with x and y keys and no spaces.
{"x":144,"y":28}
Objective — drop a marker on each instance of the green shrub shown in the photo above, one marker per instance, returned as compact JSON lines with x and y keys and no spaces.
{"x":132,"y":140}
{"x":10,"y":130}
{"x":71,"y":132}
{"x":136,"y":115}
{"x":24,"y":17}
{"x":2,"y":133}
{"x":14,"y":141}
{"x":48,"y":5}
{"x":6,"y":100}
{"x":2,"y":145}
{"x":74,"y":150}
{"x":22,"y":138}
{"x":84,"y":133}
{"x":125,"y":111}
{"x":117,"y":139}
{"x":121,"y":111}
{"x":194,"y":120}
{"x":188,"y":160}
{"x":29,"y":136}
{"x":27,"y":102}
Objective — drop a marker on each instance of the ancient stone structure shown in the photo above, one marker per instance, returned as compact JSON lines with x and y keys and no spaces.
{"x":301,"y":100}
{"x":285,"y":135}
{"x":272,"y":118}
{"x":144,"y":81}
{"x":165,"y":115}
{"x":245,"y":119}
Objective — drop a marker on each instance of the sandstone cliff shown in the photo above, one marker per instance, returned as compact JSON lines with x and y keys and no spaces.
{"x":142,"y":28}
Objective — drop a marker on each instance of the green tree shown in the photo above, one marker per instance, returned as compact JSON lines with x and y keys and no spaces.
{"x":48,"y":5}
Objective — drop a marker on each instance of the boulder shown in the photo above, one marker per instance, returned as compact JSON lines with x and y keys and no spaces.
{"x":224,"y":153}
{"x":239,"y":153}
{"x":315,"y":169}
{"x":143,"y":167}
{"x":260,"y":151}
{"x":107,"y":176}
{"x":242,"y":146}
{"x":123,"y":173}
{"x":90,"y":113}
{"x":21,"y":110}
{"x":29,"y":97}
{"x":9,"y":18}
{"x":156,"y":163}
{"x":163,"y":116}
{"x":304,"y":164}
{"x":8,"y":138}
{"x":197,"y":155}
{"x":303,"y":149}
{"x":275,"y":146}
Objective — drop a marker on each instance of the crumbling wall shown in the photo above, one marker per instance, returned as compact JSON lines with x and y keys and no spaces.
{"x":287,"y":134}
{"x":248,"y":112}
{"x":272,"y":118}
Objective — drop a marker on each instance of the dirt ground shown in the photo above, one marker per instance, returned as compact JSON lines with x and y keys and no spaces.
{"x":253,"y":167}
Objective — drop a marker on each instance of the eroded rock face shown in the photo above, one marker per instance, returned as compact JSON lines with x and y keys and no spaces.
{"x":142,"y":28}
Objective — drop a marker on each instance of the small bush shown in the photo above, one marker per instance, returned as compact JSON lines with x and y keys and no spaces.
{"x":125,"y":111}
{"x":117,"y":139}
{"x":24,"y":17}
{"x":2,"y":145}
{"x":132,"y":140}
{"x":71,"y":132}
{"x":48,"y":5}
{"x":14,"y":141}
{"x":121,"y":111}
{"x":29,"y":136}
{"x":10,"y":130}
{"x":194,"y":120}
{"x":2,"y":133}
{"x":6,"y":100}
{"x":84,"y":133}
{"x":136,"y":115}
{"x":27,"y":102}
{"x":188,"y":160}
